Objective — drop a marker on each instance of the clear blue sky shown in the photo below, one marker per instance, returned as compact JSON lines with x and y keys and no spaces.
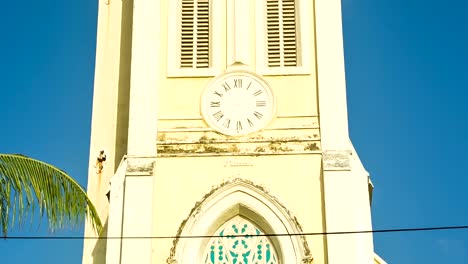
{"x":407,"y":82}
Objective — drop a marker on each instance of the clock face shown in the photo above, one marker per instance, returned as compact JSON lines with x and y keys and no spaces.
{"x":236,"y":104}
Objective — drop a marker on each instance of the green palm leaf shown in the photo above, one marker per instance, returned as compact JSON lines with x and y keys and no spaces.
{"x":27,"y":185}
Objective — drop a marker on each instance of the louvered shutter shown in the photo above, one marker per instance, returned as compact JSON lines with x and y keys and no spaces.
{"x":195,"y":34}
{"x":281,"y":33}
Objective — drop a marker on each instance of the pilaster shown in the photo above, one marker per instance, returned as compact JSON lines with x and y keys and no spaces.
{"x":238,"y":32}
{"x":346,"y":197}
{"x":141,"y":152}
{"x":105,"y":119}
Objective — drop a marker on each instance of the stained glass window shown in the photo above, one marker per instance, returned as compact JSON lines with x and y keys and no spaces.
{"x":237,"y":244}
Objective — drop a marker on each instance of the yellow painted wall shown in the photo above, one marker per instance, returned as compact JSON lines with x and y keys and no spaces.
{"x":295,"y":180}
{"x":182,"y":181}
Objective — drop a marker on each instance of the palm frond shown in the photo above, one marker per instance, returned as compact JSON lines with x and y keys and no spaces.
{"x":27,"y":184}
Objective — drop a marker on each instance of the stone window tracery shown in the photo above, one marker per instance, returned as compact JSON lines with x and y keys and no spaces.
{"x":239,"y":241}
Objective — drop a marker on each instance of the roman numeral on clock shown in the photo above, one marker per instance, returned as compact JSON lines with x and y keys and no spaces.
{"x":258,"y":115}
{"x":218,"y":94}
{"x":215,"y":104}
{"x":257,"y":93}
{"x":250,"y":123}
{"x":227,"y":122}
{"x":260,"y":103}
{"x":218,"y":115}
{"x":237,"y":83}
{"x":238,"y":126}
{"x":226,"y":86}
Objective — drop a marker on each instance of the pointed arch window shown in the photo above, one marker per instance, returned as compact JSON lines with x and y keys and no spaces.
{"x":234,"y":214}
{"x":238,"y":241}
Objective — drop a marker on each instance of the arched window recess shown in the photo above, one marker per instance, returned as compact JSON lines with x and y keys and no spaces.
{"x":242,"y":207}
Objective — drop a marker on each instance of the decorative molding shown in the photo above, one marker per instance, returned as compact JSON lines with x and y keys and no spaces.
{"x":211,"y":137}
{"x":285,"y":136}
{"x":242,"y":149}
{"x":140,"y":166}
{"x":191,"y":124}
{"x":336,"y":160}
{"x":228,"y":187}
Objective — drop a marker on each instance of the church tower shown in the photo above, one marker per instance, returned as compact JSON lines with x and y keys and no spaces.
{"x":218,"y":124}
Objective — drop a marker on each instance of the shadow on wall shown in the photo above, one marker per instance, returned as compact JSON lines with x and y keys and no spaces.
{"x":99,"y":251}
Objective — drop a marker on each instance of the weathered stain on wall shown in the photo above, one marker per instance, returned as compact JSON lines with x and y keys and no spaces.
{"x":296,"y":136}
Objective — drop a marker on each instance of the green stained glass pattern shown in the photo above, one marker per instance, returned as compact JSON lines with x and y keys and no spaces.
{"x":237,"y":244}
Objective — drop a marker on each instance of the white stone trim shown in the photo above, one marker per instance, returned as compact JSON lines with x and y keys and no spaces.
{"x":173,"y":42}
{"x":116,"y":202}
{"x":142,"y":128}
{"x":238,"y":34}
{"x":239,"y":198}
{"x":144,"y":82}
{"x":378,"y":259}
{"x":331,"y":75}
{"x":304,"y":40}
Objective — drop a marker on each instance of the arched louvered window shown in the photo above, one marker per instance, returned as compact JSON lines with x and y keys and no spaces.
{"x":281,"y":33}
{"x":284,"y":29}
{"x":192,"y":48}
{"x":195,"y":34}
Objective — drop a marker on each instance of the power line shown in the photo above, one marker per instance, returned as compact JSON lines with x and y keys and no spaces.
{"x":421,"y":229}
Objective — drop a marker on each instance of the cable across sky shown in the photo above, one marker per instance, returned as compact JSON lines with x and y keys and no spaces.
{"x":397,"y":230}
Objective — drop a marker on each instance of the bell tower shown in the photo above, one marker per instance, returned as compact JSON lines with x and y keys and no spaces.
{"x":222,"y":123}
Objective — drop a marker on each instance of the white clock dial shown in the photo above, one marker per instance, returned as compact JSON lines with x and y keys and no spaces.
{"x":237,"y":104}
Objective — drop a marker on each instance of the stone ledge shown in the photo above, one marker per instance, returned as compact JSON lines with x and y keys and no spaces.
{"x":236,"y":149}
